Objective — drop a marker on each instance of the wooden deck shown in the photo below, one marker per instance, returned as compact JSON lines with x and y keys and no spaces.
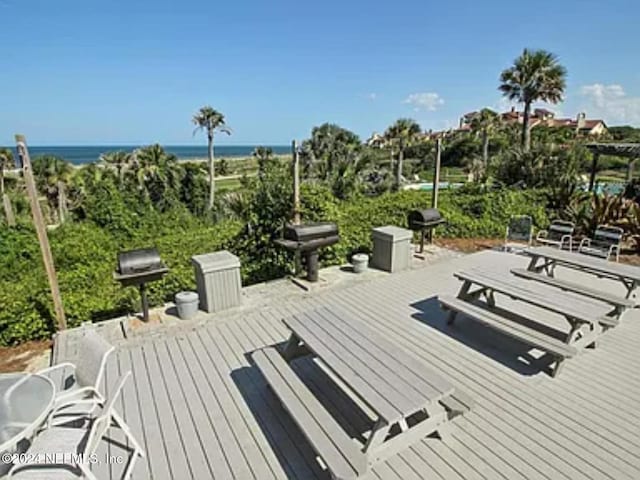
{"x":201,"y":410}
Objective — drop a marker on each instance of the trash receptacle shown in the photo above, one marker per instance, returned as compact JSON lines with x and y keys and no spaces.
{"x":218,"y":280}
{"x":391,"y":248}
{"x":360,"y":262}
{"x":187,"y":304}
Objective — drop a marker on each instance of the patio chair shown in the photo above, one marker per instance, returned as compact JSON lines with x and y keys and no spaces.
{"x":559,"y":234}
{"x":59,"y":452}
{"x":605,"y":242}
{"x":519,"y":233}
{"x":86,"y":375}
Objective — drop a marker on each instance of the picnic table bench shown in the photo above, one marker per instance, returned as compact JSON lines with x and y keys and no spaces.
{"x":619,"y":304}
{"x":406,"y":398}
{"x":584,"y":317}
{"x":547,"y":259}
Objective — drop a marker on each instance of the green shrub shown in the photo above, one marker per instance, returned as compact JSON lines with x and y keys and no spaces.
{"x":85,"y":251}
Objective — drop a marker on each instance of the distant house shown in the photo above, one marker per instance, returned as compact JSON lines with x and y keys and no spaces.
{"x":544,"y":117}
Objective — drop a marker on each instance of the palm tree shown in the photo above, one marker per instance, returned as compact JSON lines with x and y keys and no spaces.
{"x":120,"y":161}
{"x":6,"y":163}
{"x":400,"y":136}
{"x":211,"y":121}
{"x":536,"y":75}
{"x":53,"y":179}
{"x":157,"y":174}
{"x":485,"y":122}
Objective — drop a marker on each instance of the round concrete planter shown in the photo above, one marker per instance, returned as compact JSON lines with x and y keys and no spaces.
{"x":360,"y":262}
{"x":187,"y":304}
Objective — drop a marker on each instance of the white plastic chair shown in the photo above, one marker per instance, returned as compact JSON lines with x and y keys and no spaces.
{"x":86,"y":375}
{"x":64,"y":453}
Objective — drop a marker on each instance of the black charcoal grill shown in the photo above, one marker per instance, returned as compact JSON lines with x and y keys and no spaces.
{"x":137,"y":268}
{"x":424,"y":221}
{"x":307,"y":239}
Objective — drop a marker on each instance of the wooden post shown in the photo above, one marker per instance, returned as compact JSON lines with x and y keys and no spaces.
{"x":296,"y":183}
{"x":594,"y":166}
{"x":436,"y":174}
{"x":41,"y":230}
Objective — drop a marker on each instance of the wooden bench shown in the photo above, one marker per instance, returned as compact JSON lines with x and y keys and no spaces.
{"x":559,"y":350}
{"x":341,"y":454}
{"x":620,"y":304}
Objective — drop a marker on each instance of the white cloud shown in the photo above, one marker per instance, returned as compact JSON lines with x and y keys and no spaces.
{"x":425,"y":101}
{"x":372,"y":96}
{"x":611,"y":103}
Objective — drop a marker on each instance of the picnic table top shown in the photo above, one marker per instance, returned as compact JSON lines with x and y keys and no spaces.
{"x":391,"y":382}
{"x":590,"y":263}
{"x":548,"y":298}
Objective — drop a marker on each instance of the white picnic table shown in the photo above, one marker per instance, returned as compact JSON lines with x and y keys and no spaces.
{"x":398,"y":388}
{"x":547,"y":258}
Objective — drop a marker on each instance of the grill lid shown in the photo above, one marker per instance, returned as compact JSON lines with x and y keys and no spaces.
{"x":310,"y":231}
{"x":140,"y":261}
{"x":418,"y":219}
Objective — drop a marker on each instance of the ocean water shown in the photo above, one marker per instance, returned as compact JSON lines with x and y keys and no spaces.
{"x":87,"y":154}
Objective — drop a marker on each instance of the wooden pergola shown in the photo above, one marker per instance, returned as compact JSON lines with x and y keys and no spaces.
{"x":626,"y":150}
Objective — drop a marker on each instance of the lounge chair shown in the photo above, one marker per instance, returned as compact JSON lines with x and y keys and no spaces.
{"x":605,"y":242}
{"x":559,"y":234}
{"x":61,"y":452}
{"x":85,"y":377}
{"x":519,"y":233}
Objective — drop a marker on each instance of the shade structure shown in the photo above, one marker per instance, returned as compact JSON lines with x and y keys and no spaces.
{"x":626,"y":150}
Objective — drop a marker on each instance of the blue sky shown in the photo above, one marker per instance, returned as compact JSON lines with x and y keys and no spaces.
{"x":130,"y":72}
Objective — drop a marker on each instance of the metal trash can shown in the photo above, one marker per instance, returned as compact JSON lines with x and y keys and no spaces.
{"x":391,"y":248}
{"x":218,"y":280}
{"x":360,"y":262}
{"x":187,"y":304}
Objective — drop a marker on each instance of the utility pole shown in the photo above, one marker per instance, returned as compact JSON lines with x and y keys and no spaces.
{"x":436,"y":174}
{"x":296,"y":182}
{"x":41,"y":230}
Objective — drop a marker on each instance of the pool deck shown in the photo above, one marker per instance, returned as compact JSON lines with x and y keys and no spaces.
{"x":201,"y":410}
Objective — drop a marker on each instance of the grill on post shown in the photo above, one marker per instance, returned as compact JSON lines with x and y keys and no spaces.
{"x":137,"y":268}
{"x":424,"y":221}
{"x":306,"y":239}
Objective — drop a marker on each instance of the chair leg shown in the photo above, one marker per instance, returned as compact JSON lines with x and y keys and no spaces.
{"x":127,"y":431}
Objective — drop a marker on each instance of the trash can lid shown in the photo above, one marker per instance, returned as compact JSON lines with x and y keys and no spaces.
{"x":213,"y":262}
{"x":186,"y":297}
{"x":360,"y":257}
{"x":392,"y":233}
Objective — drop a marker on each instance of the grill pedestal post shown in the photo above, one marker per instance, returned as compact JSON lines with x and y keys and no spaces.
{"x":311,"y":260}
{"x":145,"y":302}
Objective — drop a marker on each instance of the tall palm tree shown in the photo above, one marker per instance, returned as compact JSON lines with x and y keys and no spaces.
{"x":119,"y":161}
{"x":53,"y":179}
{"x":536,"y":75}
{"x":400,"y":136}
{"x":485,"y":122}
{"x":211,"y":121}
{"x":6,"y":163}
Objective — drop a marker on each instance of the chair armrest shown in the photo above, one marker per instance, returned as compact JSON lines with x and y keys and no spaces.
{"x":81,"y":392}
{"x":585,"y":242}
{"x":566,"y":238}
{"x":72,"y":403}
{"x":542,"y":234}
